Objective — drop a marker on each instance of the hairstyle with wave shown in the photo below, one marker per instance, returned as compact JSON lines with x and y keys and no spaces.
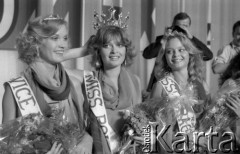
{"x":232,"y":71}
{"x":38,"y":29}
{"x":195,"y":62}
{"x":105,"y":35}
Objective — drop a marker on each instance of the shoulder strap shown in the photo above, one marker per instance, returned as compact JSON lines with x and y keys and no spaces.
{"x":96,"y":102}
{"x":24,"y":96}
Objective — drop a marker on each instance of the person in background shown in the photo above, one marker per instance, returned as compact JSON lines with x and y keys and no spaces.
{"x":181,"y":23}
{"x":225,"y":54}
{"x":42,"y":47}
{"x":232,"y":73}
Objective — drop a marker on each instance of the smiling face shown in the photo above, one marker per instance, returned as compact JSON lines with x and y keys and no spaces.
{"x":113,"y":54}
{"x":176,"y":55}
{"x":52,"y":48}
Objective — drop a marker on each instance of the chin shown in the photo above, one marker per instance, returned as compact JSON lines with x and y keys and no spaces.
{"x":177,"y":68}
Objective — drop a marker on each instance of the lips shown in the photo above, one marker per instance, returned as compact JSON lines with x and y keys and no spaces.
{"x":114,"y":58}
{"x":59,"y":51}
{"x":177,"y":60}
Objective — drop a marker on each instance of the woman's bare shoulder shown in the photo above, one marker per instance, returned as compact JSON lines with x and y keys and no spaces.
{"x":157,"y":90}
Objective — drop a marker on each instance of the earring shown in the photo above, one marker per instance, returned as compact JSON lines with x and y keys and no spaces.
{"x":98,"y":61}
{"x":37,"y":51}
{"x":97,"y":64}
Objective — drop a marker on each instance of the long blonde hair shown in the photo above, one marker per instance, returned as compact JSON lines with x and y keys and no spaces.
{"x":195,"y":65}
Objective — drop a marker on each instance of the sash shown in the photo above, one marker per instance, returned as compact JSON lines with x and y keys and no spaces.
{"x":96,"y":102}
{"x":186,"y":117}
{"x":24,"y":96}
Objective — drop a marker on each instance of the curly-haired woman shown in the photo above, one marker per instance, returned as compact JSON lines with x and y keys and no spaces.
{"x":178,"y":67}
{"x":42,"y":47}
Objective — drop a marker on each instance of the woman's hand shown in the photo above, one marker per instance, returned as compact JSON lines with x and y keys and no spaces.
{"x":233,"y":102}
{"x":85,"y":146}
{"x":56,"y":149}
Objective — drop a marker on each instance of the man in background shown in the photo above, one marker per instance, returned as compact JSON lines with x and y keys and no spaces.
{"x":225,"y":54}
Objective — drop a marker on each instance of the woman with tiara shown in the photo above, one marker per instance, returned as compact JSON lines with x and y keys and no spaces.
{"x":179,"y":69}
{"x":110,"y":89}
{"x":43,"y":47}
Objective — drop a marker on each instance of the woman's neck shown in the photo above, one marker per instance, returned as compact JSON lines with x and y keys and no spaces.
{"x":44,"y":66}
{"x":112,"y":72}
{"x":181,"y":77}
{"x":113,"y":75}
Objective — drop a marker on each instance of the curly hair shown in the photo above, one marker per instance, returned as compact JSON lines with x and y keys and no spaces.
{"x":38,"y":29}
{"x":105,"y":35}
{"x":232,"y":71}
{"x":195,"y":64}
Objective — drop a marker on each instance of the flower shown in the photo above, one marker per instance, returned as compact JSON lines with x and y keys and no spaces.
{"x":35,"y":133}
{"x":165,"y":110}
{"x":218,"y":115}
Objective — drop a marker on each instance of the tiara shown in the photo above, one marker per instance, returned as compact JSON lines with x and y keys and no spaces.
{"x":104,"y":21}
{"x":169,"y":32}
{"x":52,"y":17}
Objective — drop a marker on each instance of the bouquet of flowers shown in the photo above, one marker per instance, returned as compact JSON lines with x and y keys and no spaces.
{"x":36,"y":134}
{"x":136,"y":119}
{"x":218,"y":115}
{"x":162,"y":111}
{"x":152,"y":111}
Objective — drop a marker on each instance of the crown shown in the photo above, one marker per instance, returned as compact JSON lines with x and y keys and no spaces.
{"x":102,"y":20}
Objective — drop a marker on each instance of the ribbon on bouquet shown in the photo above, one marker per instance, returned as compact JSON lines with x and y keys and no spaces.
{"x":96,"y":102}
{"x":185,"y":115}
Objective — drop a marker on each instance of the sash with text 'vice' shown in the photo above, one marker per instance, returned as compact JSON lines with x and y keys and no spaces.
{"x":24,"y":96}
{"x":185,"y":115}
{"x":96,"y":102}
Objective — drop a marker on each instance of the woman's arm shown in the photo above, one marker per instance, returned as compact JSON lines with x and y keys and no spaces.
{"x":156,"y":91}
{"x":207,"y":53}
{"x":9,"y":105}
{"x":79,"y":52}
{"x":152,"y":50}
{"x":219,"y":68}
{"x":75,"y":53}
